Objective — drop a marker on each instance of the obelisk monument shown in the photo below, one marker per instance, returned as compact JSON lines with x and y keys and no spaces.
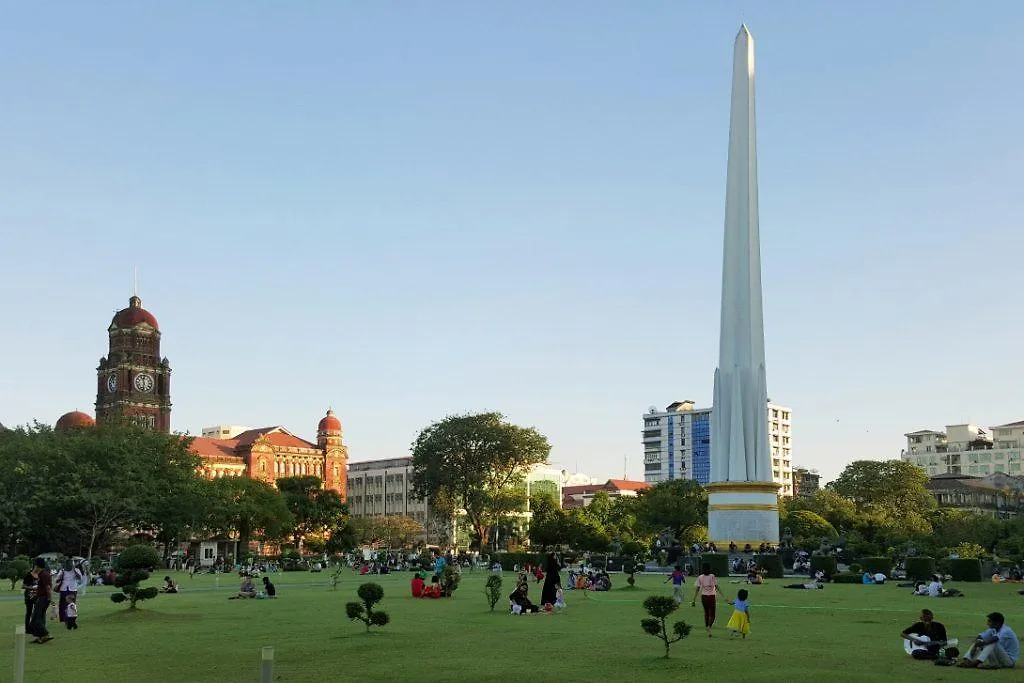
{"x":743,"y":503}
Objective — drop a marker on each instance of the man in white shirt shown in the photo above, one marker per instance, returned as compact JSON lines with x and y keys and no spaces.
{"x":996,"y":648}
{"x":879,"y":577}
{"x":934,"y":588}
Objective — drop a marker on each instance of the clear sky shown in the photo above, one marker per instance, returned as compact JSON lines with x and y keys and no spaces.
{"x":409,"y":209}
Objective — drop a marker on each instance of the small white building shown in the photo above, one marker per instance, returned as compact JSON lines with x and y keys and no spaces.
{"x":224,"y":431}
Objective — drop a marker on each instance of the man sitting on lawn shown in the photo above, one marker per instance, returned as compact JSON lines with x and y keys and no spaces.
{"x":925,"y":628}
{"x":996,"y":648}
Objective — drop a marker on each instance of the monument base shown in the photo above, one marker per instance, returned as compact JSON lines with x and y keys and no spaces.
{"x":743,"y":512}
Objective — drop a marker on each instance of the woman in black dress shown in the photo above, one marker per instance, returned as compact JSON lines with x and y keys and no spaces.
{"x":551,"y":579}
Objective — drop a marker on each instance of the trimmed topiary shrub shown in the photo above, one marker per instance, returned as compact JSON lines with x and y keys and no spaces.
{"x":133,"y":567}
{"x":856,"y":568}
{"x":370,"y":594}
{"x":493,"y":590}
{"x":719,"y":563}
{"x":15,"y":570}
{"x":660,"y":607}
{"x":964,"y":569}
{"x":772,"y":564}
{"x":847,"y":577}
{"x":823,"y":563}
{"x":873,"y":565}
{"x":919,"y":568}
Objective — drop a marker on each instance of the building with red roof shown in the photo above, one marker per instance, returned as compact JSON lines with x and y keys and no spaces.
{"x":580,"y":496}
{"x":269,"y":453}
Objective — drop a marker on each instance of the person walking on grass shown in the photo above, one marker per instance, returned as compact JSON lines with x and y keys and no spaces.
{"x":739,"y":623}
{"x":44,"y":596}
{"x":678,"y":580}
{"x":707,"y":588}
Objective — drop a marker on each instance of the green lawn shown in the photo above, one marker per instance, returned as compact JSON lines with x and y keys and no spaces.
{"x":845,"y":632}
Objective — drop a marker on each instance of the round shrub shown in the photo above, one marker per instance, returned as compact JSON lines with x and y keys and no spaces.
{"x":856,"y":568}
{"x":143,"y":557}
{"x":371,"y":593}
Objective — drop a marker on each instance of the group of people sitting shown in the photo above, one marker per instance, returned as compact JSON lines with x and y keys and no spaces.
{"x":997,"y":647}
{"x":589,"y":580}
{"x":436,"y":589}
{"x":934,"y":589}
{"x":248,"y":591}
{"x":520,"y":603}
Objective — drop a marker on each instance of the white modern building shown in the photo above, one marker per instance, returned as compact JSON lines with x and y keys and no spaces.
{"x":224,"y":431}
{"x":384,"y":487}
{"x":677,"y":444}
{"x":967,"y":449}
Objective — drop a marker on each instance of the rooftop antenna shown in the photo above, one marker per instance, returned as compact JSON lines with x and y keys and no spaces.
{"x":625,"y":467}
{"x":135,"y":281}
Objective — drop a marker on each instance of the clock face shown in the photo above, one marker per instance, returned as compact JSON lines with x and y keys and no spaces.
{"x":144,"y":382}
{"x":112,"y":383}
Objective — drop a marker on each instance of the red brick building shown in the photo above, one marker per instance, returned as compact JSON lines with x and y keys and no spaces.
{"x":133,"y":380}
{"x":272,"y":452}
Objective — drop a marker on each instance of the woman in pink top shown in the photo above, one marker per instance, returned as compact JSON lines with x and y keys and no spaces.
{"x":707,"y":587}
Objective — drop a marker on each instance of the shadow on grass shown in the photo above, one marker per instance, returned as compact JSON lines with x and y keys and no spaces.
{"x":359,"y":634}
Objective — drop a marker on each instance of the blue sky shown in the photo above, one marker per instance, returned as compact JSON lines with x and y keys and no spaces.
{"x":404,"y":210}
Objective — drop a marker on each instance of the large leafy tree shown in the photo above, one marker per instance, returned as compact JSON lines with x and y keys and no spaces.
{"x":840,"y":512}
{"x":395,"y":531}
{"x":249,"y":508}
{"x":475,"y":462}
{"x":548,"y":523}
{"x":87,"y":484}
{"x":889,"y":495}
{"x":678,"y":504}
{"x":314,"y":508}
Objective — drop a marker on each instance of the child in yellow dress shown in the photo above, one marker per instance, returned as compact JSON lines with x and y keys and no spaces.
{"x":739,"y":622}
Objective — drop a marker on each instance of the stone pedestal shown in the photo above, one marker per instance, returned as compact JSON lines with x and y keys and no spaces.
{"x":743,"y":512}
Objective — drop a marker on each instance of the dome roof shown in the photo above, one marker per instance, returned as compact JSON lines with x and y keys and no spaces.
{"x":134,"y":315}
{"x":329,"y":423}
{"x":74,"y":420}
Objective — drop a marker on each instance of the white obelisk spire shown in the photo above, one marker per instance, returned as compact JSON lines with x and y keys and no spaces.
{"x":742,"y":500}
{"x":739,"y":421}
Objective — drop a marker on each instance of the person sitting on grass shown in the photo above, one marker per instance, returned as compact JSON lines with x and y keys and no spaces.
{"x":995,"y":648}
{"x":417,"y":585}
{"x":269,"y":589}
{"x":247,"y":590}
{"x":927,"y":634}
{"x":520,"y":599}
{"x":169,"y":586}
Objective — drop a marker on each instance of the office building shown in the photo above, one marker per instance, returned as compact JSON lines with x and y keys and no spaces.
{"x":677,"y":444}
{"x":967,"y":449}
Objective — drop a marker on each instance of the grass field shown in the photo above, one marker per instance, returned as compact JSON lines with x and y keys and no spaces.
{"x":843,"y":633}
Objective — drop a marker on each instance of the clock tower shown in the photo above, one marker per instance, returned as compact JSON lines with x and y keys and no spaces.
{"x":133,"y":381}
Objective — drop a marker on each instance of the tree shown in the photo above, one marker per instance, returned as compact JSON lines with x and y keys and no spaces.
{"x":840,"y":512}
{"x":806,"y":525}
{"x":889,"y":494}
{"x":248,"y":507}
{"x":370,"y":594}
{"x":548,"y":523}
{"x":660,"y":607}
{"x":474,"y":462}
{"x":314,"y":508}
{"x":16,"y":569}
{"x":395,"y":531}
{"x":677,"y":504}
{"x":133,"y":567}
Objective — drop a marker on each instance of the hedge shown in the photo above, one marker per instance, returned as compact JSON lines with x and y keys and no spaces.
{"x":963,"y":569}
{"x":510,"y":560}
{"x":919,"y":568}
{"x":772,"y":564}
{"x":847,"y":577}
{"x":719,"y":563}
{"x":874,"y":565}
{"x":825,"y":563}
